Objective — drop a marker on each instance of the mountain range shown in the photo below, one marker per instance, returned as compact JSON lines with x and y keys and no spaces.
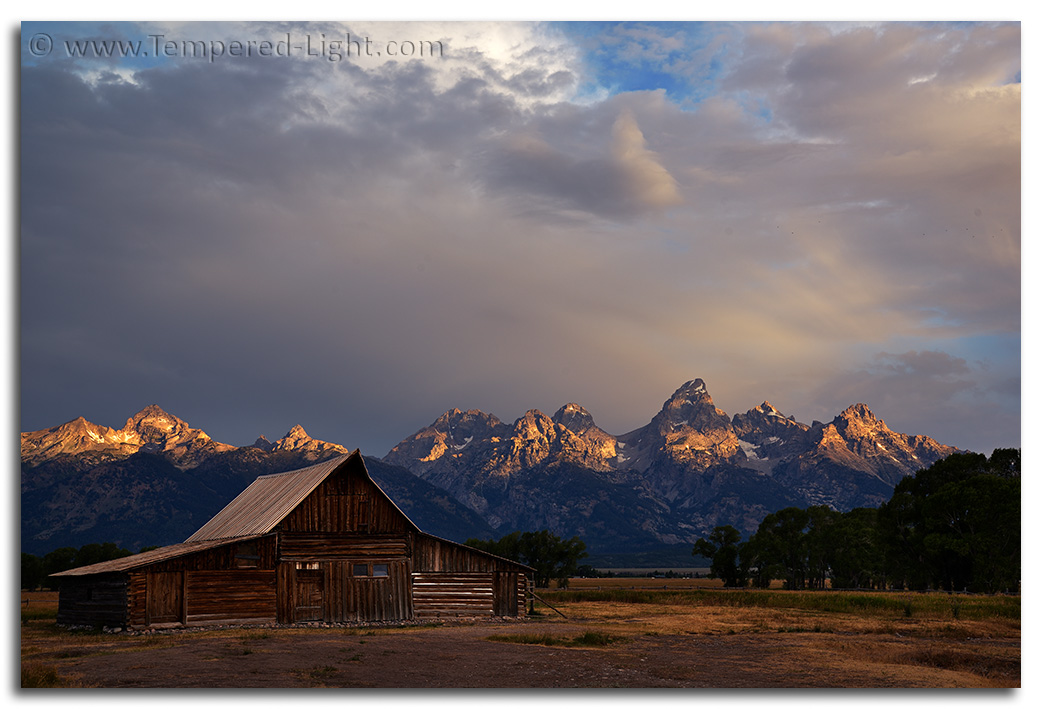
{"x":157,"y":480}
{"x":469,"y":474}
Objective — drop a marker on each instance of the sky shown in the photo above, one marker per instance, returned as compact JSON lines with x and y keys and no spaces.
{"x":814,"y":214}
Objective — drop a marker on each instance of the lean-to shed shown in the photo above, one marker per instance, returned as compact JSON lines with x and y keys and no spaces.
{"x":323,"y":543}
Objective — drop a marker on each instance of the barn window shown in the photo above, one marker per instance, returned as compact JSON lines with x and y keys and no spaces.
{"x":362,"y":571}
{"x":360,"y":505}
{"x":247,"y":555}
{"x":308,"y":565}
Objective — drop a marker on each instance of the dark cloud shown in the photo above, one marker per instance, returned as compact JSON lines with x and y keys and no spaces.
{"x":625,"y":180}
{"x":358,"y":246}
{"x":962,"y":401}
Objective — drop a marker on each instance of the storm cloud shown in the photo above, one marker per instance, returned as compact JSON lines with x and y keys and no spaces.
{"x":803,"y":212}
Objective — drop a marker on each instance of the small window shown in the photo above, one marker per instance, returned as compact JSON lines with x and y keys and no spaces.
{"x":308,"y":565}
{"x":369,"y":571}
{"x":246,"y":555}
{"x":361,"y":510}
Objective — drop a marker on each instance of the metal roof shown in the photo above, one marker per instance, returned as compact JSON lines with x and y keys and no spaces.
{"x":148,"y":557}
{"x":268,"y":499}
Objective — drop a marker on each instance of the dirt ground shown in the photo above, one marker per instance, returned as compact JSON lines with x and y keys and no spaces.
{"x":652,"y":647}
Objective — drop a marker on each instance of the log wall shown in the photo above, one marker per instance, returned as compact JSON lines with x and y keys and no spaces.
{"x":437,"y":595}
{"x":200,"y":597}
{"x":326,"y":545}
{"x":240,"y":595}
{"x":93,"y":600}
{"x":431,"y":554}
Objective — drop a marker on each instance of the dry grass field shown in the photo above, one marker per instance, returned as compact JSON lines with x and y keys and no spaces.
{"x":612,"y":636}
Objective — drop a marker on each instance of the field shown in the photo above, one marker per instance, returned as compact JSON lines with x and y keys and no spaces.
{"x":615,"y":634}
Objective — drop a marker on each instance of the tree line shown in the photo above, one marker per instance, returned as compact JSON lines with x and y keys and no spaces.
{"x":954,"y":526}
{"x":37,"y":569}
{"x":551,"y":557}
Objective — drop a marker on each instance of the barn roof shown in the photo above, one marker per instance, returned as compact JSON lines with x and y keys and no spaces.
{"x":260,"y":507}
{"x":255,"y":512}
{"x":148,"y":557}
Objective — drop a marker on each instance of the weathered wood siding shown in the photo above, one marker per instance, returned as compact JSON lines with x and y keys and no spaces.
{"x":165,"y":597}
{"x":239,"y":595}
{"x":346,"y":502}
{"x":304,"y":546}
{"x":200,"y":597}
{"x":338,"y":590}
{"x":230,"y":583}
{"x":451,"y":579}
{"x":354,"y":597}
{"x":509,"y":593}
{"x":257,"y":553}
{"x":452,"y":594}
{"x":93,"y":600}
{"x":431,"y":554}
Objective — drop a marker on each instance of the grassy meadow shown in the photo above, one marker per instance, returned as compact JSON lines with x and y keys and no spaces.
{"x":913,"y":639}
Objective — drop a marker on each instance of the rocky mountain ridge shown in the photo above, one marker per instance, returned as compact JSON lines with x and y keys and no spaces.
{"x":153,"y":430}
{"x":157,"y":480}
{"x":689,"y":430}
{"x":691,"y":458}
{"x":689,"y":469}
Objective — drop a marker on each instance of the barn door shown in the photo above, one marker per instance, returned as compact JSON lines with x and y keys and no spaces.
{"x":504,"y":594}
{"x":307,"y":592}
{"x":370,"y":590}
{"x":165,"y":595}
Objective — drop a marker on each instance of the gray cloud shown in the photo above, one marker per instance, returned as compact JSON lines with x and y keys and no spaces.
{"x":964,"y":402}
{"x":358,"y":247}
{"x":627,"y":180}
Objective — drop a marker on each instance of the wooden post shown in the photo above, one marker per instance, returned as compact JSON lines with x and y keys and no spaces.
{"x":548,"y":606}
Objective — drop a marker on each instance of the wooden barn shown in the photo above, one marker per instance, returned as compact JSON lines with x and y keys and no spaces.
{"x":323,"y":543}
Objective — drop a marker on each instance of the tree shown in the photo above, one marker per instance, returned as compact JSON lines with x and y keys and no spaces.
{"x":32,"y":572}
{"x":66,"y":558}
{"x":509,"y":546}
{"x":781,"y":546}
{"x":755,"y":557}
{"x":551,"y":557}
{"x":974,"y":532}
{"x":820,"y":544}
{"x":722,"y":548}
{"x":57,"y":560}
{"x":956,"y":524}
{"x":856,"y":557}
{"x":95,"y":553}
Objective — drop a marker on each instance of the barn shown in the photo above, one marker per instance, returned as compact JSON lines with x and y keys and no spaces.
{"x":323,"y":543}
